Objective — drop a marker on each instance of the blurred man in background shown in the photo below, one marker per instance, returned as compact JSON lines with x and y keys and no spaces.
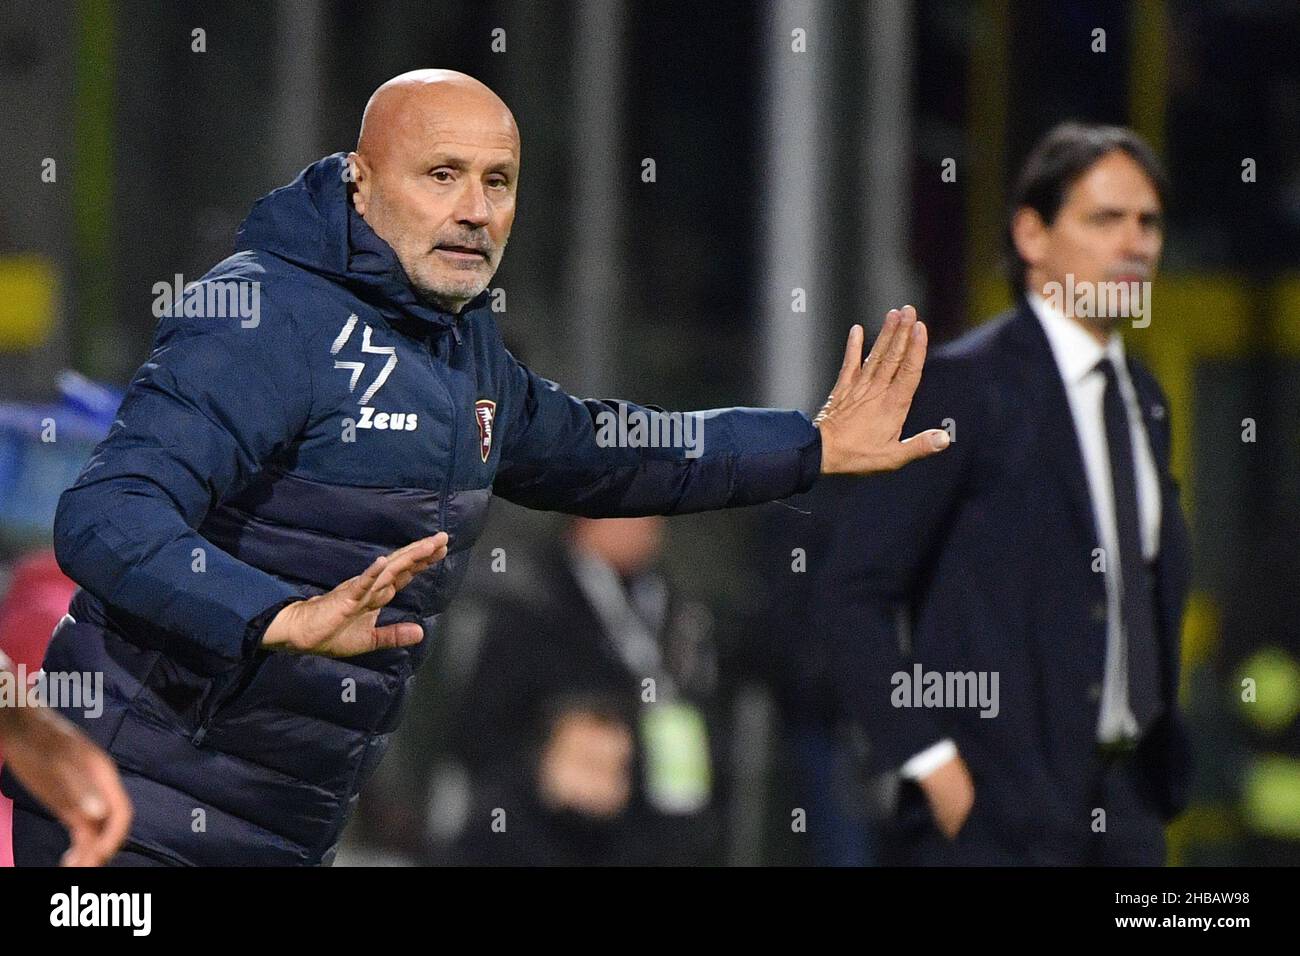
{"x":584,"y":724}
{"x":1045,"y":559}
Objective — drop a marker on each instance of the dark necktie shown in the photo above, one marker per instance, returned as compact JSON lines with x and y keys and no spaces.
{"x":1136,"y":604}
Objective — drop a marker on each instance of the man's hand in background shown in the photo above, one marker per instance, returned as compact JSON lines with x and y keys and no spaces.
{"x":72,"y":777}
{"x":863,"y":418}
{"x":951,"y":794}
{"x":341,"y":623}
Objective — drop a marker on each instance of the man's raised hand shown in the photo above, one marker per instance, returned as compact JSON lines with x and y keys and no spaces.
{"x":341,"y":623}
{"x":863,"y":418}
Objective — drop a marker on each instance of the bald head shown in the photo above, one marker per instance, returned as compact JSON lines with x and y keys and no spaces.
{"x":435,"y":168}
{"x":412,"y":101}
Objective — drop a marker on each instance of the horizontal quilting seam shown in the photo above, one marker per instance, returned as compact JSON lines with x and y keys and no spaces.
{"x":284,"y":777}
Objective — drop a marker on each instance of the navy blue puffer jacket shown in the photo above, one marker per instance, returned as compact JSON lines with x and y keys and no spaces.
{"x":255,"y":462}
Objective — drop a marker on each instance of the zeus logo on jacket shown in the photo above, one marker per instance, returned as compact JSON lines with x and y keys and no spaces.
{"x":356,"y":368}
{"x":391,"y":421}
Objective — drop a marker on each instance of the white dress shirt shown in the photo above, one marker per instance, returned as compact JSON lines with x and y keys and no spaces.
{"x":1077,"y":354}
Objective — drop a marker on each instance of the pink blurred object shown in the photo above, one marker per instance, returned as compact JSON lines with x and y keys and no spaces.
{"x":37,"y":600}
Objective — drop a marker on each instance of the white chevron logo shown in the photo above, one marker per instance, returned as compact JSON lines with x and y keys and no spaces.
{"x":356,"y":368}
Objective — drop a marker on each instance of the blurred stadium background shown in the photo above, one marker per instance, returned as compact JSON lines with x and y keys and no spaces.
{"x":682,"y":172}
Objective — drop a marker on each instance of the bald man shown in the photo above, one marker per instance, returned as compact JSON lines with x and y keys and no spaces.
{"x":288,"y":499}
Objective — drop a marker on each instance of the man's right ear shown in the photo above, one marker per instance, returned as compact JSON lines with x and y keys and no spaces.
{"x":1029,"y":233}
{"x":358,"y":178}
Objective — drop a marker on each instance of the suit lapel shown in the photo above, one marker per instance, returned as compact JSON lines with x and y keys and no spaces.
{"x":1043,"y":392}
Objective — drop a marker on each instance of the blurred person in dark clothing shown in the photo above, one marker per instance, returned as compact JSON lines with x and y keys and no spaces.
{"x":789,"y":653}
{"x":1047,"y":552}
{"x":583,"y":727}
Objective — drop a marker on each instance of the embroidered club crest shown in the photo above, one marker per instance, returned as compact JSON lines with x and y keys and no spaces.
{"x":485,"y":411}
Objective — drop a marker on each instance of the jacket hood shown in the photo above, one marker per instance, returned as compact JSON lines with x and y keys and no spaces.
{"x":312,"y":223}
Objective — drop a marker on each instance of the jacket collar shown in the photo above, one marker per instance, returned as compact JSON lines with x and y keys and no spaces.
{"x":312,"y":223}
{"x":374,"y":267}
{"x":1040,"y":383}
{"x":1075,"y":351}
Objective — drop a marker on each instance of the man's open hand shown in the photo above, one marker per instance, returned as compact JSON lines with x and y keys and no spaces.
{"x":342,"y":622}
{"x":863,"y":418}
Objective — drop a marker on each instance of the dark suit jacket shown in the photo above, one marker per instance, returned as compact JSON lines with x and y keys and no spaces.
{"x":980,"y":559}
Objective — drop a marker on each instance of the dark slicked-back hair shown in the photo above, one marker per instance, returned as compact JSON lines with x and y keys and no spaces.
{"x":1058,"y":161}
